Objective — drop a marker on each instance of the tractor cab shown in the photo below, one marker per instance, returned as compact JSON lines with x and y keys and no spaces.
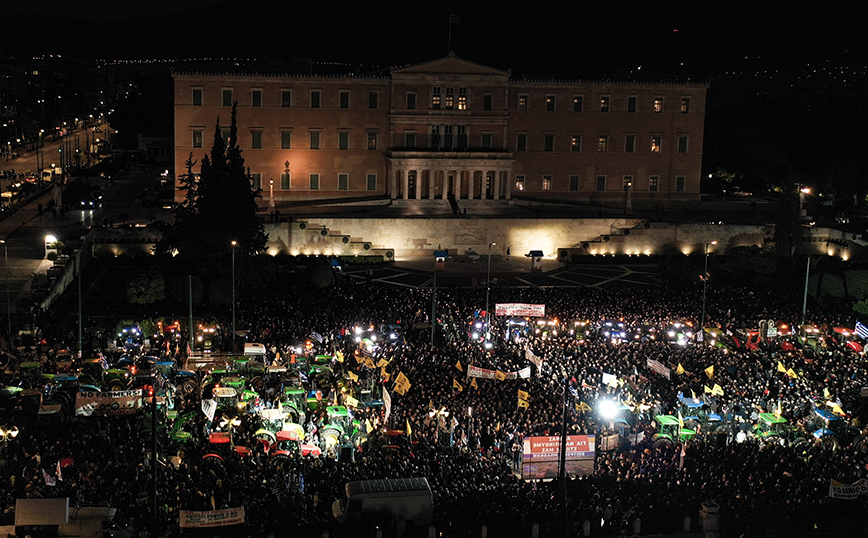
{"x":670,"y":430}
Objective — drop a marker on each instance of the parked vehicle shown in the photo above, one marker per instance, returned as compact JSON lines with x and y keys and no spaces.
{"x":772,"y":428}
{"x":671,"y":430}
{"x":407,"y":499}
{"x":833,"y":431}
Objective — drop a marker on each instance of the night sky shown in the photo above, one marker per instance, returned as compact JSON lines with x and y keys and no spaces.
{"x":576,"y":39}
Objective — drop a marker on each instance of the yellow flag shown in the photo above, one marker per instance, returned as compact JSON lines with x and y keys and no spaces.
{"x":826,"y":393}
{"x":383,"y":363}
{"x":369,"y":362}
{"x":409,"y":430}
{"x":707,"y":390}
{"x":781,"y":368}
{"x":402,"y":381}
{"x":792,"y":373}
{"x":500,"y":376}
{"x":710,"y":372}
{"x":523,"y":403}
{"x":353,"y":376}
{"x":717,"y":389}
{"x":679,"y":370}
{"x":474,"y":384}
{"x":386,"y":375}
{"x":458,"y":365}
{"x":583,"y":407}
{"x":778,"y":410}
{"x":680,"y":420}
{"x":339,"y":355}
{"x":351,"y":402}
{"x":368,"y":427}
{"x":693,"y":395}
{"x":835,"y":408}
{"x":522,"y":395}
{"x":457,"y":385}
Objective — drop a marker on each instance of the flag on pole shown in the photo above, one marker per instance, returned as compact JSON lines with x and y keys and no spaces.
{"x":781,"y":368}
{"x":524,"y":404}
{"x":453,"y":18}
{"x":409,"y":430}
{"x":353,"y":375}
{"x":383,"y":363}
{"x":582,"y":406}
{"x":710,"y":372}
{"x":792,"y":373}
{"x":387,"y":403}
{"x":717,"y":390}
{"x":58,"y":473}
{"x":826,"y":393}
{"x":49,"y":480}
{"x":458,"y":365}
{"x":679,"y":370}
{"x":706,"y":389}
{"x":316,"y":336}
{"x":680,"y":420}
{"x":522,"y":395}
{"x":693,"y":395}
{"x":500,"y":376}
{"x":474,"y":384}
{"x":368,"y":426}
{"x":457,"y":385}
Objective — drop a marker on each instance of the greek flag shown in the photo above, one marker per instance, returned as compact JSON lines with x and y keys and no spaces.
{"x":316,"y":336}
{"x":862,"y":330}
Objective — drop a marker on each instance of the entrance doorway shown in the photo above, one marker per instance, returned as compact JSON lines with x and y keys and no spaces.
{"x":411,"y":185}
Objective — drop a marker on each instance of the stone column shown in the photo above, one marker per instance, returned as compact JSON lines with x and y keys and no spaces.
{"x":443,"y":184}
{"x":482,"y":194}
{"x":470,"y":184}
{"x":496,"y":192}
{"x":432,"y":177}
{"x":406,"y":184}
{"x":508,"y":177}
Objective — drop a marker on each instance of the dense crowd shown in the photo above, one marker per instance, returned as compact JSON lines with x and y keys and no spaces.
{"x":470,"y":458}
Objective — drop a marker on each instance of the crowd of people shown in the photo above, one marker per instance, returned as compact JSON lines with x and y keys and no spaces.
{"x":472,"y":459}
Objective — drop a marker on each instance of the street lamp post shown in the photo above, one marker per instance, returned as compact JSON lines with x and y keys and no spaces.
{"x":271,"y":193}
{"x":704,"y":289}
{"x":487,"y":291}
{"x":234,"y":243}
{"x":49,"y":240}
{"x":6,"y":433}
{"x":8,"y":303}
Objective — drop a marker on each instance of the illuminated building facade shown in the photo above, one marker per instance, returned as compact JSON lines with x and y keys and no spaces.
{"x":451,"y":127}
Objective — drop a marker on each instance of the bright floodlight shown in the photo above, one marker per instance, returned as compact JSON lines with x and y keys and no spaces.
{"x":487,"y":345}
{"x":50,"y":239}
{"x":608,"y":409}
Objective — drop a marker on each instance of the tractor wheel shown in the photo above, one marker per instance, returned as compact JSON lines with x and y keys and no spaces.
{"x":189,"y":387}
{"x":831,"y":442}
{"x":773,"y":439}
{"x":663,"y":443}
{"x":860,"y":442}
{"x":116,"y":385}
{"x":257,"y":383}
{"x":799,"y":443}
{"x":293,"y":414}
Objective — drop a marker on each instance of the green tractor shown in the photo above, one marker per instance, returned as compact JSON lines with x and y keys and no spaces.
{"x":773,"y":428}
{"x":111,"y":379}
{"x":670,"y":431}
{"x":342,"y":430}
{"x":293,"y":401}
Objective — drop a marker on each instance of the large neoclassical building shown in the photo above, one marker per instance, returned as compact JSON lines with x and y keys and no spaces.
{"x":452,"y":127}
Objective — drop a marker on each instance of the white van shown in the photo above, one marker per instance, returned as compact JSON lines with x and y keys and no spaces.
{"x":407,"y":499}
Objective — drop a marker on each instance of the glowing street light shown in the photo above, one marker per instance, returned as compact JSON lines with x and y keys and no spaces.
{"x":49,"y":240}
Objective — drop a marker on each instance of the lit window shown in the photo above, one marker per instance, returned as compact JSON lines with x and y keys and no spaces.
{"x":656,"y":142}
{"x":450,"y":98}
{"x":519,"y":183}
{"x":685,"y":105}
{"x":603,"y":143}
{"x":654,"y":183}
{"x":547,"y":183}
{"x":197,"y":96}
{"x":576,"y":143}
{"x":372,"y":140}
{"x":604,"y":103}
{"x":658,"y":104}
{"x":435,"y":98}
{"x":462,"y":98}
{"x":522,"y":103}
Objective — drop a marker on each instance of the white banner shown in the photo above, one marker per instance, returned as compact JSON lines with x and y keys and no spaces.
{"x":387,"y":402}
{"x":94,"y":403}
{"x":658,"y":367}
{"x":520,"y":310}
{"x":524,"y":373}
{"x":839,"y":490}
{"x":609,"y":379}
{"x":528,"y":354}
{"x":212,"y":518}
{"x":482,"y":373}
{"x":209,"y":407}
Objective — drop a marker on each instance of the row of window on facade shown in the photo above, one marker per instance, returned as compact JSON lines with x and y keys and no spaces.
{"x":450,"y":140}
{"x":342,"y":182}
{"x":443,"y":101}
{"x":601,"y":183}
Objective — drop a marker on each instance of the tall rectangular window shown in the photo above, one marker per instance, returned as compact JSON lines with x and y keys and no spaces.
{"x":197,"y":139}
{"x":411,"y":101}
{"x":314,"y":182}
{"x":576,"y":143}
{"x":547,"y":183}
{"x":601,"y":183}
{"x":656,"y":143}
{"x":631,"y":104}
{"x":448,"y":139}
{"x":487,"y":101}
{"x":654,"y":183}
{"x":285,"y":182}
{"x":344,"y":99}
{"x":343,"y":182}
{"x":409,"y":140}
{"x":603,"y":143}
{"x":435,"y":98}
{"x":604,"y":103}
{"x":486,"y":140}
{"x":449,"y":102}
{"x":549,"y":142}
{"x":286,"y":98}
{"x":629,"y":143}
{"x":344,"y":140}
{"x":685,"y":105}
{"x":462,"y":137}
{"x":256,"y":181}
{"x":373,"y":100}
{"x":285,"y":140}
{"x":519,"y":183}
{"x":435,"y":136}
{"x":314,"y":139}
{"x":197,"y":96}
{"x":522,"y":103}
{"x":372,"y":182}
{"x":256,"y":97}
{"x":372,"y":140}
{"x":680,"y":182}
{"x":315,"y":98}
{"x":550,"y":103}
{"x":574,"y":183}
{"x":226,"y":96}
{"x":658,"y":104}
{"x":577,"y":103}
{"x":462,"y":98}
{"x":256,"y":139}
{"x":682,"y":143}
{"x":521,"y":142}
